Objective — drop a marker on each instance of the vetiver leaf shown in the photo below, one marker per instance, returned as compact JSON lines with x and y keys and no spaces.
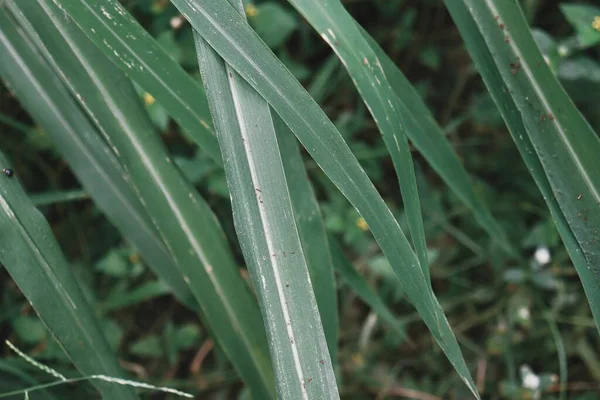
{"x":338,"y":29}
{"x":264,"y":220}
{"x":134,"y":51}
{"x":420,"y":124}
{"x":31,"y":255}
{"x":429,"y":139}
{"x":311,"y":229}
{"x":90,"y":158}
{"x":558,"y":146}
{"x":185,"y":222}
{"x":312,"y":232}
{"x":221,"y":26}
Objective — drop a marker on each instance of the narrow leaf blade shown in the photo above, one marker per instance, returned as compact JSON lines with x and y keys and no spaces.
{"x":221,"y":26}
{"x":557,"y":144}
{"x":311,"y":229}
{"x":264,"y":220}
{"x":110,"y":27}
{"x":31,"y":255}
{"x":340,"y":32}
{"x":89,"y":157}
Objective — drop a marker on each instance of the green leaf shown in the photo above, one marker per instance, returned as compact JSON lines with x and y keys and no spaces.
{"x":90,"y":158}
{"x":557,"y":144}
{"x":148,"y":346}
{"x":113,"y":332}
{"x":580,"y":77}
{"x":144,"y":292}
{"x":548,"y":47}
{"x":30,"y":330}
{"x":582,"y":17}
{"x":32,"y":257}
{"x":222,"y":27}
{"x":337,"y":28}
{"x":272,"y":22}
{"x":167,"y":41}
{"x":12,"y":377}
{"x":110,"y":27}
{"x":311,"y":229}
{"x":186,"y":336}
{"x":184,"y":221}
{"x":264,"y":220}
{"x":440,"y":155}
{"x":430,"y":140}
{"x":325,"y":80}
{"x":56,"y":197}
{"x":113,"y":264}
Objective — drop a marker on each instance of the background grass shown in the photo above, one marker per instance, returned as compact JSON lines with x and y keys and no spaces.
{"x":507,"y":312}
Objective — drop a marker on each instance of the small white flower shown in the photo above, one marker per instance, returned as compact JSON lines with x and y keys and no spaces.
{"x":524,"y":313}
{"x":563,"y":51}
{"x":177,"y":22}
{"x":542,"y":255}
{"x":531,"y":381}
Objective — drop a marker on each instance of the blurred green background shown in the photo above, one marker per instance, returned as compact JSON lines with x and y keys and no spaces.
{"x":519,"y":322}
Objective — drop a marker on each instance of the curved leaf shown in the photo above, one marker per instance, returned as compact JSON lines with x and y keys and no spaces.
{"x":184,"y":221}
{"x":221,"y":26}
{"x":32,"y":257}
{"x":110,"y":27}
{"x":90,"y":158}
{"x":429,"y":139}
{"x":338,"y":29}
{"x":557,"y":144}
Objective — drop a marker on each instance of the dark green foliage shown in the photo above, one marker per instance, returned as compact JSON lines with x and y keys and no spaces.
{"x":503,"y":276}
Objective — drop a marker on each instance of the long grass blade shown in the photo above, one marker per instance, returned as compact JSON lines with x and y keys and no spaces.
{"x":311,"y":229}
{"x":264,"y":220}
{"x":110,"y":27}
{"x":420,"y":125}
{"x":338,"y":29}
{"x":223,"y":28}
{"x":428,"y":137}
{"x":90,"y":158}
{"x":557,"y":144}
{"x":184,"y":221}
{"x":32,"y":257}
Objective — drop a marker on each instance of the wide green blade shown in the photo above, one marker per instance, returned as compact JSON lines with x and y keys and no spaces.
{"x":557,"y":144}
{"x":264,"y":220}
{"x":136,"y":53}
{"x":184,"y":221}
{"x":227,"y":32}
{"x":311,"y":229}
{"x":429,"y":138}
{"x":90,"y":158}
{"x":340,"y":32}
{"x":32,"y":257}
